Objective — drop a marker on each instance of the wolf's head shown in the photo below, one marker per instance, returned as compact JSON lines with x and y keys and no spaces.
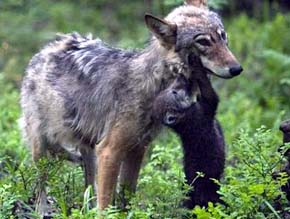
{"x":191,"y":31}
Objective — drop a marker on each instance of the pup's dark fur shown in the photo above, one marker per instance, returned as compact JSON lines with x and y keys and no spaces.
{"x":200,"y":133}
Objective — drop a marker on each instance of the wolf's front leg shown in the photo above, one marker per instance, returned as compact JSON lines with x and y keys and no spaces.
{"x":108,"y":169}
{"x":110,"y":153}
{"x":129,"y":173}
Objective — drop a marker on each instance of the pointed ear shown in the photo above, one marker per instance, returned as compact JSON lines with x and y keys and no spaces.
{"x":197,"y":3}
{"x":163,"y":30}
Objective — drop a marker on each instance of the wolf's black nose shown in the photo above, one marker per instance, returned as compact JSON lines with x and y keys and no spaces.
{"x":235,"y":71}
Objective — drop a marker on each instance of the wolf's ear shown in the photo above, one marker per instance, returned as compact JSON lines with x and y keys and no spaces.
{"x":197,"y":3}
{"x":163,"y":30}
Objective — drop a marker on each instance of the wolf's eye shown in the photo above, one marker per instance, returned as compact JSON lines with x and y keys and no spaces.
{"x":224,"y":35}
{"x":203,"y":42}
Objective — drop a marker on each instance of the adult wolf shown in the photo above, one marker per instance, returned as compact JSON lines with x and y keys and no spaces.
{"x":80,"y":95}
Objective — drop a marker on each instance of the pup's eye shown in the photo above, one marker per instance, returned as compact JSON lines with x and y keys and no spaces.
{"x":169,"y":119}
{"x":203,"y":42}
{"x":174,"y":92}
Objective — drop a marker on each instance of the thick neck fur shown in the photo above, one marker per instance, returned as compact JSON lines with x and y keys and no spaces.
{"x":157,"y":66}
{"x":108,"y":82}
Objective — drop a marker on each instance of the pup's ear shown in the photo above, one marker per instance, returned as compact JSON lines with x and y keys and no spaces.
{"x":197,"y":3}
{"x":163,"y":30}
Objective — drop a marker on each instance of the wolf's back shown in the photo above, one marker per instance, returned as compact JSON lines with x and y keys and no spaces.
{"x":61,"y":86}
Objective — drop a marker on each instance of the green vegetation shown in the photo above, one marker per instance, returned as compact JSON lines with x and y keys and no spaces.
{"x":251,"y":108}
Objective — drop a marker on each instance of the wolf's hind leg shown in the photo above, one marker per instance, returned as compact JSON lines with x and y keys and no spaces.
{"x":39,"y":150}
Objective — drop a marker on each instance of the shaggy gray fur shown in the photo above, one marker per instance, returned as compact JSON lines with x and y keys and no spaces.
{"x":76,"y":87}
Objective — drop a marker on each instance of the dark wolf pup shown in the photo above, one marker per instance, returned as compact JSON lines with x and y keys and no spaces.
{"x":200,"y":133}
{"x":81,"y":96}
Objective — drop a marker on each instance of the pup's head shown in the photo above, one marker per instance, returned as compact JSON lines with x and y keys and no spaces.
{"x":171,"y":104}
{"x":191,"y":31}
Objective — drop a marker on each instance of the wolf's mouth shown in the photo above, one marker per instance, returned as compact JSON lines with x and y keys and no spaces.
{"x":208,"y":71}
{"x":196,"y":62}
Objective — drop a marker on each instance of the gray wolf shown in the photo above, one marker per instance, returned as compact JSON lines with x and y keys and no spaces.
{"x":85,"y":98}
{"x":201,"y":135}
